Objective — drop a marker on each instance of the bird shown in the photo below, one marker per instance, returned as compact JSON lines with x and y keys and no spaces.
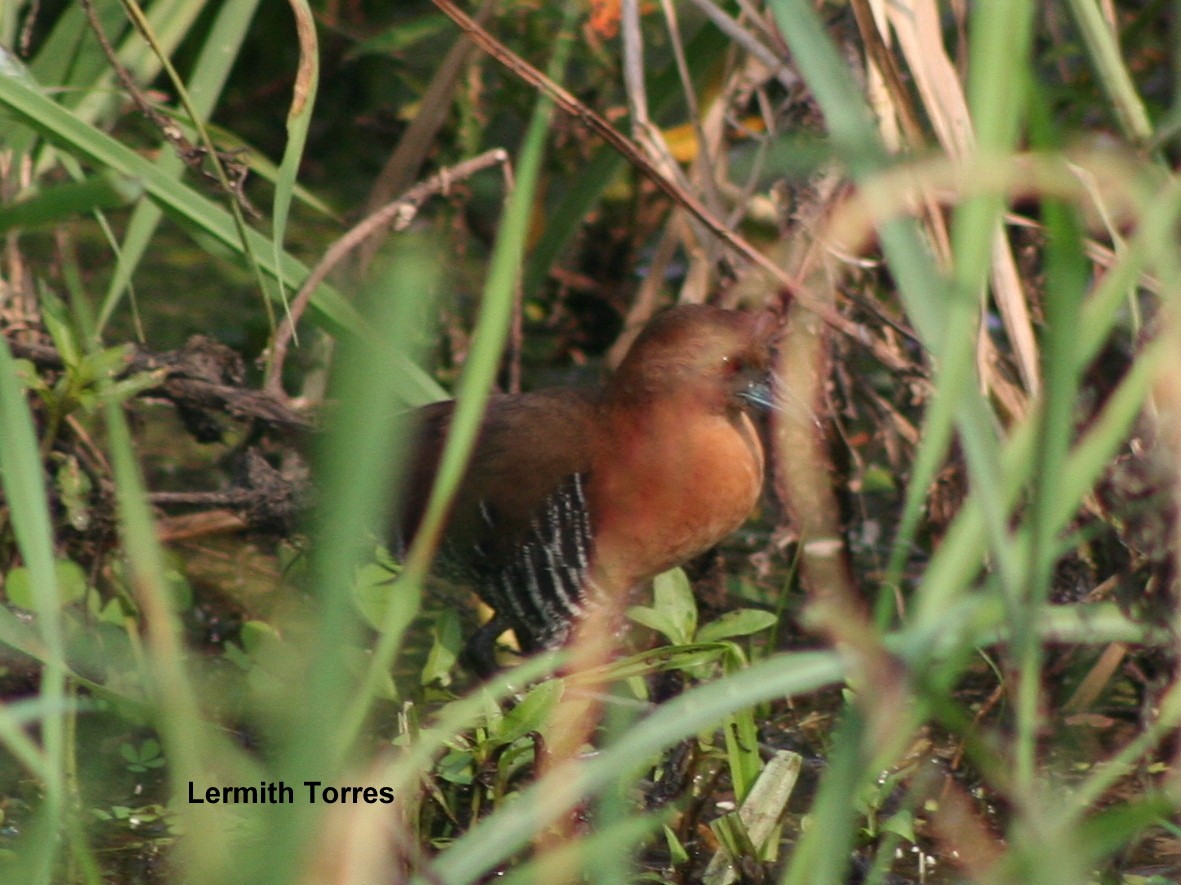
{"x":574,"y":498}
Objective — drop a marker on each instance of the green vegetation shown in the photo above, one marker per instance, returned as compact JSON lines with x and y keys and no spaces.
{"x":969,"y":221}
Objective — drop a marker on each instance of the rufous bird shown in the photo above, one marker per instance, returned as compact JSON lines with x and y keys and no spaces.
{"x":575,"y":497}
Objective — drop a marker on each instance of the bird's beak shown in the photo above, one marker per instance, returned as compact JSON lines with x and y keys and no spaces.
{"x":759,"y":392}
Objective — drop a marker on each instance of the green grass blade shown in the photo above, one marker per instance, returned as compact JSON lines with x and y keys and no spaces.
{"x":1103,"y":47}
{"x":299,"y":118}
{"x":191,"y":745}
{"x":205,"y":88}
{"x":27,"y":503}
{"x":821,"y":855}
{"x":59,"y":203}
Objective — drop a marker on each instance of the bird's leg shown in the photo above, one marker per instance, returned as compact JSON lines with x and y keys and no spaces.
{"x":479,"y":652}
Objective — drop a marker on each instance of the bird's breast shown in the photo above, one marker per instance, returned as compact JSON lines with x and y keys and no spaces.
{"x":667,"y":489}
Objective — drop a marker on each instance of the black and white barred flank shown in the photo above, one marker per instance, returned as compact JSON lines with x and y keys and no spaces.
{"x":544,"y":585}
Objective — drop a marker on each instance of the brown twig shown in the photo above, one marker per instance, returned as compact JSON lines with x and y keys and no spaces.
{"x":401,"y":168}
{"x":204,"y":380}
{"x":192,"y":155}
{"x":262,"y":497}
{"x":399,"y":214}
{"x":186,"y":380}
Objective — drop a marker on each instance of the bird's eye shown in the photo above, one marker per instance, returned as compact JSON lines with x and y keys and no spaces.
{"x":732,"y":365}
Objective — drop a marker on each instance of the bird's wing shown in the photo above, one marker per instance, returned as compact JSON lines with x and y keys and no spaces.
{"x":519,"y":523}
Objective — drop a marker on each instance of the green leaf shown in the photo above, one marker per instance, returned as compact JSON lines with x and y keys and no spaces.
{"x":740,"y":622}
{"x":150,"y":753}
{"x":102,"y":365}
{"x":110,"y":612}
{"x":257,"y":637}
{"x":654,"y":620}
{"x":533,"y":711}
{"x":733,"y":836}
{"x":53,"y":205}
{"x":901,"y":824}
{"x":121,"y":391}
{"x":71,"y":582}
{"x":371,"y":592}
{"x":400,"y":37}
{"x":876,"y":478}
{"x":180,"y":591}
{"x":74,"y":487}
{"x":140,"y":759}
{"x":28,"y":377}
{"x":456,"y":768}
{"x":60,"y":326}
{"x":448,"y":640}
{"x":677,"y":854}
{"x":357,"y":660}
{"x":742,"y":751}
{"x":669,"y":657}
{"x":673,"y":597}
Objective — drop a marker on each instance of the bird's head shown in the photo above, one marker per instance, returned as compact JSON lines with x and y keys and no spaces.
{"x":716,"y":358}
